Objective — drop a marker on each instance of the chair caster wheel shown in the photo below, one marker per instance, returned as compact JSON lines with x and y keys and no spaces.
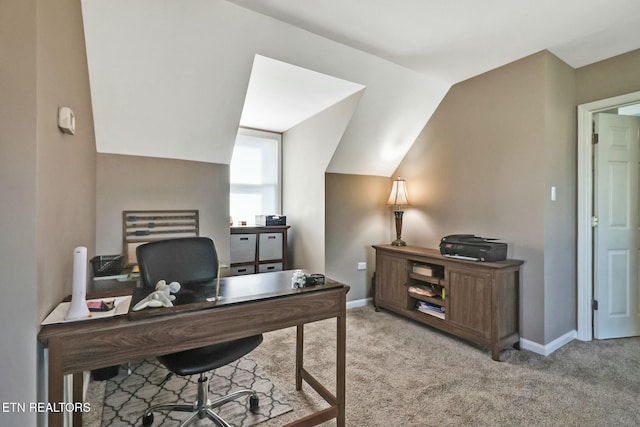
{"x":254,"y":402}
{"x":147,"y":419}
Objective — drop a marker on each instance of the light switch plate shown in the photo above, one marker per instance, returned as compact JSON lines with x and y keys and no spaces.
{"x":66,"y":120}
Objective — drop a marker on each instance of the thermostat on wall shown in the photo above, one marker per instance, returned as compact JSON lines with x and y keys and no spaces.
{"x":66,"y":120}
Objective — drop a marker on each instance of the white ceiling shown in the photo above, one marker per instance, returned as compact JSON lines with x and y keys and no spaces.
{"x":281,"y":95}
{"x":457,"y":39}
{"x":172,"y":78}
{"x":175,"y":78}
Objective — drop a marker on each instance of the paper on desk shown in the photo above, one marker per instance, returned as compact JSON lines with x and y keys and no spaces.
{"x":58,"y":314}
{"x":118,"y":277}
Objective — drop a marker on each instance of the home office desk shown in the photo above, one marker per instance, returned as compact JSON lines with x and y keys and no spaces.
{"x":248,"y":305}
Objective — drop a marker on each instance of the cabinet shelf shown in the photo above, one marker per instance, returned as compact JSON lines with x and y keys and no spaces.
{"x":433,"y":314}
{"x":428,"y":279}
{"x":434,"y":293}
{"x":431,"y":300}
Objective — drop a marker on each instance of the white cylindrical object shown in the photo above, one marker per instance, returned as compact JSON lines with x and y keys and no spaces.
{"x":78,"y":308}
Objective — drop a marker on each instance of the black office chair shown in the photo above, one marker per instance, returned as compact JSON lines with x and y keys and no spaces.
{"x":193,"y":262}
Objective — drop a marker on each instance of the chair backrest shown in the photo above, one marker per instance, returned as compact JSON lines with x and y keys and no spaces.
{"x":184,"y":260}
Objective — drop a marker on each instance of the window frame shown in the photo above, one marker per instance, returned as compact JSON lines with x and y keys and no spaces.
{"x":268,"y":135}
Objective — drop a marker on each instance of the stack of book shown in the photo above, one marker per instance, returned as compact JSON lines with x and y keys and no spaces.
{"x":427,"y":270}
{"x":428,"y":290}
{"x":424,"y":291}
{"x":432,"y":309}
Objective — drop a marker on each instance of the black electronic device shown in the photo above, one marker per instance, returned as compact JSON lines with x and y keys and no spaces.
{"x":472,"y":247}
{"x":314,"y":279}
{"x":270,"y":220}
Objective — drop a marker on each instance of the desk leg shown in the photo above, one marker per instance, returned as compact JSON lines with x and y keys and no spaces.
{"x":77,"y":396}
{"x":56,"y":387}
{"x":341,"y":364}
{"x":299,"y":355}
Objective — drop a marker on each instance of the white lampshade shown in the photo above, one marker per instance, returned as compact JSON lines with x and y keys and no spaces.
{"x":398,"y":194}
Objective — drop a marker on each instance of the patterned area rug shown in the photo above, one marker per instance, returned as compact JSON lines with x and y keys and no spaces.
{"x":127,"y":396}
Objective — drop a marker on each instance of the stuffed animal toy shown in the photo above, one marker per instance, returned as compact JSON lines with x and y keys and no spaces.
{"x":161,"y":297}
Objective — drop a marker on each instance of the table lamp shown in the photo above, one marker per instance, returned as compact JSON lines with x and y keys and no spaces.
{"x":398,"y":197}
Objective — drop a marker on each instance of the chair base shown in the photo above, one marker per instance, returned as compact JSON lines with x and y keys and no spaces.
{"x":203,"y":407}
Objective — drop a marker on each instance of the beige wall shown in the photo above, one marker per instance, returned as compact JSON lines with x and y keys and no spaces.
{"x":47,"y":181}
{"x":479,"y":167}
{"x":606,"y":79}
{"x":307,"y":149}
{"x":560,"y":216}
{"x":66,"y":163}
{"x":18,"y":112}
{"x":147,"y":183}
{"x":356,"y":218}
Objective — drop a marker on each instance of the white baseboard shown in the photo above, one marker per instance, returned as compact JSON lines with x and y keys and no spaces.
{"x":359,"y":303}
{"x":547,"y":349}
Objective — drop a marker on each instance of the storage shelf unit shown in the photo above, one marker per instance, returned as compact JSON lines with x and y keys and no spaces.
{"x":258,"y":249}
{"x":478,"y":301}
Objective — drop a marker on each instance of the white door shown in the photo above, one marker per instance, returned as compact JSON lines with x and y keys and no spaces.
{"x":616,"y":240}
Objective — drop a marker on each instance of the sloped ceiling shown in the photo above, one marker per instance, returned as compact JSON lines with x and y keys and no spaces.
{"x":281,"y":96}
{"x":170,"y":78}
{"x":455,"y":40}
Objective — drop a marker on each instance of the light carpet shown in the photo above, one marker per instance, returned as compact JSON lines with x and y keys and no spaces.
{"x":402,"y":373}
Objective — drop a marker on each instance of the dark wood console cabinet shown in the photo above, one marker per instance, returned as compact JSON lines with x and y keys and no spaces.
{"x":477,"y":301}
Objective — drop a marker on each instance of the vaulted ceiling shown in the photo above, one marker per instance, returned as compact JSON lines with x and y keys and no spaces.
{"x":176,"y":78}
{"x":455,"y":40}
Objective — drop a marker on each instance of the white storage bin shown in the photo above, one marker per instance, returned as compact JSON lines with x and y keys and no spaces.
{"x":242,"y":270}
{"x":274,"y":266}
{"x":270,"y":246}
{"x":243,"y":248}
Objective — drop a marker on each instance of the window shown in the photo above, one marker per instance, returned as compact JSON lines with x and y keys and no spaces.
{"x":255,"y":173}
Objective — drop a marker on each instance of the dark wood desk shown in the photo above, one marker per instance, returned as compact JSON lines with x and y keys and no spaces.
{"x":249,"y":305}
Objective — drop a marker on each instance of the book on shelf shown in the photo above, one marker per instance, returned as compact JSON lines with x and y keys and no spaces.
{"x":426,"y":270}
{"x":428,"y":290}
{"x":429,"y":306}
{"x":432,"y":309}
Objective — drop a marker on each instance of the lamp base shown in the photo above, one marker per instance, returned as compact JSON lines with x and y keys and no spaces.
{"x":398,"y":241}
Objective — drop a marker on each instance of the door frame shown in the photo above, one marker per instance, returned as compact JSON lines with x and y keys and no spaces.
{"x":585,"y":207}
